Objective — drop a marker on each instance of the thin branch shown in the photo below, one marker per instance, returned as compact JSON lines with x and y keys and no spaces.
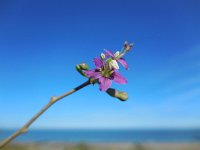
{"x":53,"y":100}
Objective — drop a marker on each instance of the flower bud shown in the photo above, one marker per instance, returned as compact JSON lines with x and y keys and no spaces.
{"x":84,"y":66}
{"x":128,"y":46}
{"x":81,"y":67}
{"x":123,"y":96}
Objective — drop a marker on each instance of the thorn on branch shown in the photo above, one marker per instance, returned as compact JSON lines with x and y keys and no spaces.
{"x":53,"y":99}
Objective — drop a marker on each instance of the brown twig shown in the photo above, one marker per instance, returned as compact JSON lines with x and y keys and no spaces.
{"x":53,"y":100}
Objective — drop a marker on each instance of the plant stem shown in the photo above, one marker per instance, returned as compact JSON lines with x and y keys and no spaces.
{"x":53,"y":100}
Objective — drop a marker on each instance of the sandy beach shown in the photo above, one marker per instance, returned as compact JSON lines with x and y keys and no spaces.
{"x":103,"y":146}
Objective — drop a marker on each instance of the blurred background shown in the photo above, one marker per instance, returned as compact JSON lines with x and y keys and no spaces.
{"x":41,"y":41}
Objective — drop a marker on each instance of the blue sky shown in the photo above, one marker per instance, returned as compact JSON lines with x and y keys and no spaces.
{"x":42,"y":41}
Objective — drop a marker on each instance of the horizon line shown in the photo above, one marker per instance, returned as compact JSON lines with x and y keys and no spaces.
{"x":134,"y":128}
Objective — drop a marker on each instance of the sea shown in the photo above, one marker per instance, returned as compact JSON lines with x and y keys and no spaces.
{"x":107,"y":135}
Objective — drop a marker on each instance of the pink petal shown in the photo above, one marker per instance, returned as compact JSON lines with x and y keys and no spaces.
{"x":123,"y":62}
{"x":119,"y":79}
{"x":109,"y":53}
{"x":92,"y":73}
{"x":104,"y":84}
{"x":98,"y":62}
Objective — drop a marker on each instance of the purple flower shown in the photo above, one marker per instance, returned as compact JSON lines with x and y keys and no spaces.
{"x":120,"y":60}
{"x":104,"y":74}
